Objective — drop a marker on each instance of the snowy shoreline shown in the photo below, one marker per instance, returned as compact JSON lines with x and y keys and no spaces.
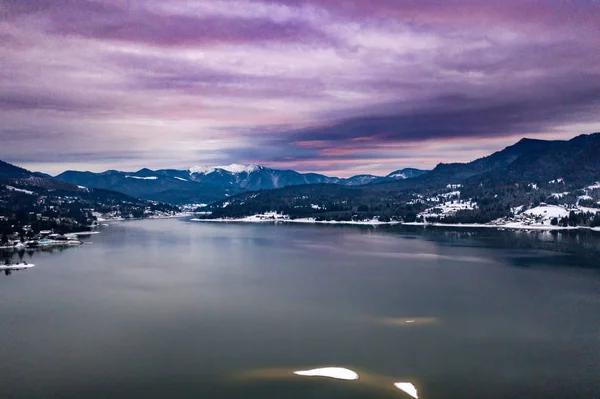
{"x":271,"y":218}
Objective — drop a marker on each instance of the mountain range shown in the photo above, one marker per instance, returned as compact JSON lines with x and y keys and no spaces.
{"x":201,"y":184}
{"x":522,"y":175}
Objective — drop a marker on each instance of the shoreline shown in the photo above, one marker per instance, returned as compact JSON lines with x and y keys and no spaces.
{"x":508,"y":226}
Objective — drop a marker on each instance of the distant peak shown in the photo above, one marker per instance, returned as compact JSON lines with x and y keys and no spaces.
{"x":233,"y":168}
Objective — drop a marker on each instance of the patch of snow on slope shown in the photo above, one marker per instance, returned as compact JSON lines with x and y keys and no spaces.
{"x":555,"y":181}
{"x":448,"y":208}
{"x":313,"y":206}
{"x":181,"y":178}
{"x":594,"y":186}
{"x":275,"y":180}
{"x":338,"y":373}
{"x":559,"y":195}
{"x":202,"y":170}
{"x":11,"y":188}
{"x":588,"y":210}
{"x":233,"y":168}
{"x":517,"y":209}
{"x":450,"y":194}
{"x":547,"y":212}
{"x":397,"y":176}
{"x":141,"y":178}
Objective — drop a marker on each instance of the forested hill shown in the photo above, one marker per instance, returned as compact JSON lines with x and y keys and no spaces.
{"x":30,"y":202}
{"x":501,"y":185}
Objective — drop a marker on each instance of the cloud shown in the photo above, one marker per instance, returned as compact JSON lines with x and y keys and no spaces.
{"x":315,"y":85}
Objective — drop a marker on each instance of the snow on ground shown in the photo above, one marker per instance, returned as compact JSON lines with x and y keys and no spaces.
{"x":450,"y":194}
{"x":533,"y":186}
{"x":559,"y":195}
{"x":278,"y":217}
{"x":408,"y":388}
{"x":555,"y":181}
{"x":11,"y":188}
{"x":444,"y":196}
{"x":588,"y":210}
{"x":517,"y":209}
{"x":453,"y":186}
{"x":547,"y":212}
{"x":226,"y":204}
{"x":338,"y":373}
{"x":415,"y":201}
{"x":448,"y":208}
{"x":181,"y":178}
{"x":594,"y":186}
{"x":141,"y":178}
{"x":313,"y":206}
{"x":397,"y":176}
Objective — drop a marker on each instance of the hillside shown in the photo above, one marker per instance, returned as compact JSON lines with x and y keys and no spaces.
{"x":501,"y":185}
{"x":30,"y":202}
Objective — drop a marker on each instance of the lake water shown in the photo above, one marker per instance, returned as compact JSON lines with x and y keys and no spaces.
{"x":178,"y":309}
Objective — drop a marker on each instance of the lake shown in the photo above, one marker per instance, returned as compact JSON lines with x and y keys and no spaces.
{"x":179,"y":309}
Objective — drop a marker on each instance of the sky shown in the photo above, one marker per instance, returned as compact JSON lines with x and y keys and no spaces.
{"x":336,"y":87}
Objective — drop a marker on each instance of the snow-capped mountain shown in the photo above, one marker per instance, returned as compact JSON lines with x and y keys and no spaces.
{"x":406,"y":173}
{"x":203,"y":184}
{"x":233,"y":168}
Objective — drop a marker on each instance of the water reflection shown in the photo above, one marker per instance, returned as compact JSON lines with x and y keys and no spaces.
{"x":160,"y":309}
{"x":407,"y":387}
{"x":379,"y":384}
{"x":573,"y":248}
{"x":407,"y":322}
{"x":338,"y":373}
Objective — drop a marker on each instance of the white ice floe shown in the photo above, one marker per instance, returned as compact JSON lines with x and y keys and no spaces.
{"x":330,"y":372}
{"x":11,"y":188}
{"x":141,"y":178}
{"x":408,"y":388}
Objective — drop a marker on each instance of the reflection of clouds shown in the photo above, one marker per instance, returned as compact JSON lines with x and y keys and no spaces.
{"x":378,"y":382}
{"x":419,"y":256}
{"x":411,"y":321}
{"x":338,"y":373}
{"x":408,"y":388}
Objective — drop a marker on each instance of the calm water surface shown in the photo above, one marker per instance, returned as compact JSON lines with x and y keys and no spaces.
{"x":176,"y":309}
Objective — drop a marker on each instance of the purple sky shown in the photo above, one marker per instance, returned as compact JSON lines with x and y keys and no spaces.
{"x":338,"y":87}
